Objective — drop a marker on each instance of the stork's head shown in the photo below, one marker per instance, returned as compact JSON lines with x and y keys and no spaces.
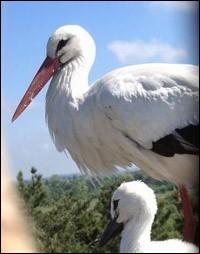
{"x":66,"y":44}
{"x":131,"y":201}
{"x":70,"y":42}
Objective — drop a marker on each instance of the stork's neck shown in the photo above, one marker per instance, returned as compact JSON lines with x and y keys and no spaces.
{"x":71,"y":81}
{"x":135,"y":234}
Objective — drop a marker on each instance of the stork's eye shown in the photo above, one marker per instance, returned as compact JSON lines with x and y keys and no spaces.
{"x":61,"y":44}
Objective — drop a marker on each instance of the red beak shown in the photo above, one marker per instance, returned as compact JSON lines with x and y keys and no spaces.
{"x":46,"y":71}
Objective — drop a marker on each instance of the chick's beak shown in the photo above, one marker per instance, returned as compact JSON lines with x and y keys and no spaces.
{"x":113,"y":228}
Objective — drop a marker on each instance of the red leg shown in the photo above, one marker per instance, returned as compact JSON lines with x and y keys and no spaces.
{"x":189,"y":220}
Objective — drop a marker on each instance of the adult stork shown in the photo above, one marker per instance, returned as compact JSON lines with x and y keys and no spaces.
{"x":144,"y":114}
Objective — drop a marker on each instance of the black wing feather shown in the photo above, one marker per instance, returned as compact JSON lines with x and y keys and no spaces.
{"x":182,"y":141}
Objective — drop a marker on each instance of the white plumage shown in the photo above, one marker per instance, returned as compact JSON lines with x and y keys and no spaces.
{"x":114,"y":122}
{"x":145,"y":115}
{"x":136,"y":208}
{"x":133,"y":115}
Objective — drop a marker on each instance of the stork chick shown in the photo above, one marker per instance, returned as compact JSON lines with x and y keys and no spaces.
{"x":133,"y":209}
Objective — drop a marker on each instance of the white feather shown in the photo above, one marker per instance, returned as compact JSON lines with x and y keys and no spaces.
{"x":137,"y":208}
{"x":144,"y":102}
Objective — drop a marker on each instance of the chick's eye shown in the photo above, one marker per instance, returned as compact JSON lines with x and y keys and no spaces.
{"x":61,"y":44}
{"x":115,"y":204}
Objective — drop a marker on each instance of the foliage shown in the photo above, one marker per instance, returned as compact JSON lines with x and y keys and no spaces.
{"x":69,"y":214}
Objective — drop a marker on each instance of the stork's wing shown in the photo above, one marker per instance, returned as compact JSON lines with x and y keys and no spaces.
{"x":183,"y":141}
{"x":154,"y":105}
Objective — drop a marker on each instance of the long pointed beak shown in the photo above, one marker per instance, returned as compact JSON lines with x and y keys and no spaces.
{"x":113,"y":228}
{"x":45,"y":72}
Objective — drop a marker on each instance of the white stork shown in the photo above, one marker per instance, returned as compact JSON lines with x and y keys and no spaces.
{"x":144,"y":114}
{"x":133,"y":209}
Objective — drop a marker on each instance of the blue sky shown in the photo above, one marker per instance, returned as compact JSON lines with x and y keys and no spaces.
{"x":124,"y":32}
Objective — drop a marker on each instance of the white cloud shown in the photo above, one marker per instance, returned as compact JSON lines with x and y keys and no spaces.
{"x":177,"y":5}
{"x":141,"y":51}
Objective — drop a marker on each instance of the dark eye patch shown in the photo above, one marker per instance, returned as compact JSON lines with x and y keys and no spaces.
{"x":61,"y":44}
{"x":115,"y":204}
